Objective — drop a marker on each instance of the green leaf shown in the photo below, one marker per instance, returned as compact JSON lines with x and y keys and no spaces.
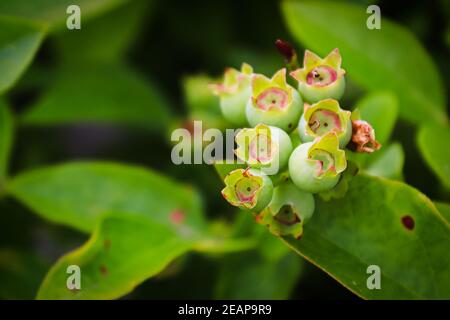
{"x":105,"y":38}
{"x":77,"y":194}
{"x":99,"y":93}
{"x":6,"y":139}
{"x":387,"y":59}
{"x":342,"y":186}
{"x":380,"y":109}
{"x":121,"y":253}
{"x":19,"y":41}
{"x":365,"y":228}
{"x":53,"y":12}
{"x":444,"y":209}
{"x":389,"y":162}
{"x":433,"y":144}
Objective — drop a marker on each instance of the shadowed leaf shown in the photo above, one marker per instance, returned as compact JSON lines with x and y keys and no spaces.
{"x":19,"y":41}
{"x":433,"y":143}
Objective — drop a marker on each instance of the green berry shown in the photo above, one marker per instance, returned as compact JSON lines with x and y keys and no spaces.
{"x":320,"y":78}
{"x":289,"y":209}
{"x":265,"y":147}
{"x":234,"y":94}
{"x":274,"y":102}
{"x":248,"y":189}
{"x":323,"y":117}
{"x":316,"y":166}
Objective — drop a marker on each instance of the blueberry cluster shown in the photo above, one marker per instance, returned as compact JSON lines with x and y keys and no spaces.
{"x":295,"y":146}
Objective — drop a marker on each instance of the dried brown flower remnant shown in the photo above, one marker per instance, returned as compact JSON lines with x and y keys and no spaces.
{"x":363,"y":137}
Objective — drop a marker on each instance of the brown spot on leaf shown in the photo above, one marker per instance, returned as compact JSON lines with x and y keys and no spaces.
{"x":408,"y":222}
{"x":103,"y":270}
{"x":286,"y":49}
{"x":177,"y":216}
{"x":363,"y":137}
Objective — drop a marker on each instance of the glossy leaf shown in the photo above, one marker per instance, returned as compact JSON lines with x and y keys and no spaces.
{"x":101,"y":93}
{"x":433,"y":143}
{"x":389,"y":163}
{"x":53,"y":12}
{"x":77,"y":194}
{"x":387,"y":59}
{"x":121,"y":253}
{"x":19,"y":41}
{"x":6,"y":139}
{"x":380,"y":109}
{"x":384,"y":223}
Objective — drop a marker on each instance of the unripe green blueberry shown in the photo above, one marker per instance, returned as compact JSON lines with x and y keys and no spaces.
{"x":289,"y":209}
{"x":265,"y":147}
{"x":320,"y":78}
{"x":323,"y":117}
{"x":274,"y":102}
{"x":316,"y":166}
{"x":234,"y":94}
{"x":248,"y":189}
